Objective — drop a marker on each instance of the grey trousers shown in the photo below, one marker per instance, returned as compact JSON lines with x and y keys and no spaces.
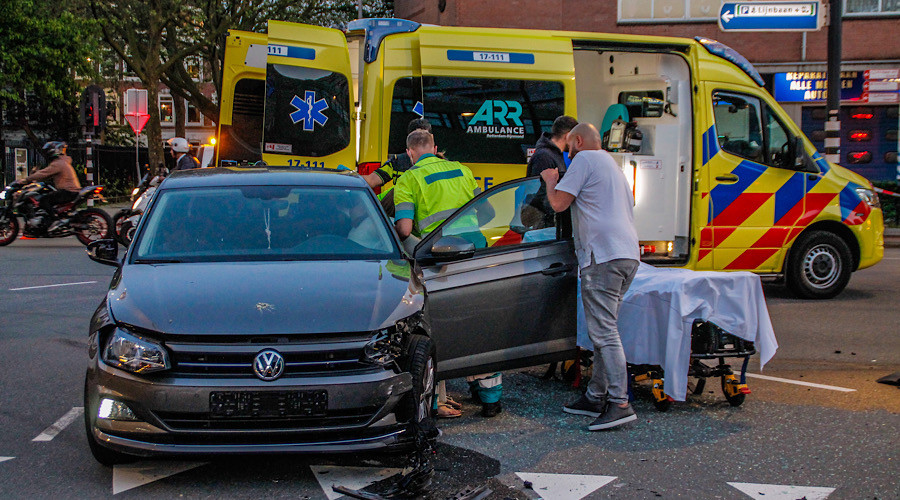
{"x":602,"y":288}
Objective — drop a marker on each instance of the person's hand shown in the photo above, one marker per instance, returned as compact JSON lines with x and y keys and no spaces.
{"x":550,"y":175}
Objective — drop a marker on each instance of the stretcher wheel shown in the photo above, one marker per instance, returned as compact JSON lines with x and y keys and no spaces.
{"x":663,"y":405}
{"x":696,"y":385}
{"x":735,"y":399}
{"x":661,"y":400}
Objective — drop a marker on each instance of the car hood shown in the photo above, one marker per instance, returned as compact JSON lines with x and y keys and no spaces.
{"x":850,"y":176}
{"x":265,"y":297}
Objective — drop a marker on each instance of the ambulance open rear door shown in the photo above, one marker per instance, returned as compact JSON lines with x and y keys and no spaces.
{"x":308,"y":103}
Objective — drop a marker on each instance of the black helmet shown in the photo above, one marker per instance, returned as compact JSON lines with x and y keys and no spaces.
{"x":54,"y":149}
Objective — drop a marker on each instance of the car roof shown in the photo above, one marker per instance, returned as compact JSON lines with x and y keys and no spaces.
{"x":262,"y":176}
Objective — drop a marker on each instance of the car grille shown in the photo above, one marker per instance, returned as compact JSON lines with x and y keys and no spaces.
{"x":232,"y":356}
{"x":204,"y":421}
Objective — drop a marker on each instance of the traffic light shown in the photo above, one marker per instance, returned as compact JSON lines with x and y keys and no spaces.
{"x":93,"y":109}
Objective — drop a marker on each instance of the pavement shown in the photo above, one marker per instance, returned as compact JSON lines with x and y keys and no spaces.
{"x":892,"y":237}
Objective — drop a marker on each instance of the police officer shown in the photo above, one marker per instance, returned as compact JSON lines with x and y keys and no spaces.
{"x":180,"y":150}
{"x":425,"y":196}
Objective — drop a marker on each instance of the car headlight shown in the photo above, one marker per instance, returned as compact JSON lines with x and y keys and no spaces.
{"x":134,"y":354}
{"x":386,"y":344}
{"x":135,"y":191}
{"x":383,"y":348}
{"x":869,"y":196}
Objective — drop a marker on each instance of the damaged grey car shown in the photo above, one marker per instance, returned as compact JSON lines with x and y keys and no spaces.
{"x":274,"y":310}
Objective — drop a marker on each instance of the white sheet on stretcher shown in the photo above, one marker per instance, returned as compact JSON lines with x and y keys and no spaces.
{"x":661,"y":305}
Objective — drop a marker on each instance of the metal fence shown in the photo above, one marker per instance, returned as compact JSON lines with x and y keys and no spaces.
{"x":114,"y":167}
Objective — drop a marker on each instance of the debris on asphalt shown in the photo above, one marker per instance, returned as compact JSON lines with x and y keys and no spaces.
{"x":529,"y":485}
{"x":892,"y":379}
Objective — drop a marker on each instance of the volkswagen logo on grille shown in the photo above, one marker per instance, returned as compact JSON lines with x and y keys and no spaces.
{"x":268,"y":365}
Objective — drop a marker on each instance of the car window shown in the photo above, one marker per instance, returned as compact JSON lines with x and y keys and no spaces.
{"x":738,"y":125}
{"x":264,"y":223}
{"x":507,"y":215}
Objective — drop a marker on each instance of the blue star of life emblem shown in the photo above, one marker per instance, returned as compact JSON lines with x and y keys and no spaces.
{"x":309,"y":111}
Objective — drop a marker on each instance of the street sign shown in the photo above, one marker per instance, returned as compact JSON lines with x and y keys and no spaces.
{"x":882,"y":74}
{"x":771,"y":16}
{"x":136,"y":102}
{"x":881,"y":98}
{"x":881,"y":86}
{"x":137,"y":121}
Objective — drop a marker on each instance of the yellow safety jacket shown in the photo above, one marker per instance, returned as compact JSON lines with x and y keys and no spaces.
{"x":432,"y":190}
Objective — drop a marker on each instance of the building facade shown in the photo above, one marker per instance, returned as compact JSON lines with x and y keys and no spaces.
{"x":788,"y":61}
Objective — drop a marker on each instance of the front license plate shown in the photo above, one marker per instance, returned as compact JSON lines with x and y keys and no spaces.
{"x":268,"y":404}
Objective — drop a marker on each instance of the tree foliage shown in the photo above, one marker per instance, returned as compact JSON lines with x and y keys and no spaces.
{"x":154,"y":37}
{"x":43,"y":44}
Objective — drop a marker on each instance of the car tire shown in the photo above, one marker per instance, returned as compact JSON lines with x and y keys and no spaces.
{"x":9,"y":228}
{"x":102,"y":454}
{"x":820,"y":265}
{"x":421,"y":363}
{"x":96,"y":225}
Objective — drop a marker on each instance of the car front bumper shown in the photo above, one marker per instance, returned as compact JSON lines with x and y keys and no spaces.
{"x":174,"y":415}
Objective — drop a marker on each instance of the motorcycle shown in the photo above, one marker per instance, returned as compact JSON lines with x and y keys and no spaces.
{"x":22,"y":200}
{"x":125,"y":221}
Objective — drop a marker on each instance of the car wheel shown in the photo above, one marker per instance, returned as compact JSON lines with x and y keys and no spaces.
{"x":9,"y":228}
{"x":92,"y":224}
{"x":421,"y":363}
{"x":101,"y":454}
{"x":820,"y":265}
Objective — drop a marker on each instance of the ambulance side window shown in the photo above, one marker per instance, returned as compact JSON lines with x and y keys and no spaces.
{"x":490,"y":120}
{"x":739,"y":125}
{"x":778,"y":142}
{"x":406,"y":104}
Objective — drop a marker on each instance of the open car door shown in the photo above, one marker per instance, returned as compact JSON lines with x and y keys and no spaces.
{"x":308,"y":103}
{"x":501,"y":291}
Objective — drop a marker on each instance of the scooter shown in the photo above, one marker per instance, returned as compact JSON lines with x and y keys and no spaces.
{"x":125,"y":221}
{"x":23,"y":200}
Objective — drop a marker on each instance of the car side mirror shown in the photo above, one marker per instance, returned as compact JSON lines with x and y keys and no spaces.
{"x":105,"y":252}
{"x":450,"y":248}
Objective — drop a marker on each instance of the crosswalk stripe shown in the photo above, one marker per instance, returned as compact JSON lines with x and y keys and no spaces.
{"x":782,"y":491}
{"x":64,"y":421}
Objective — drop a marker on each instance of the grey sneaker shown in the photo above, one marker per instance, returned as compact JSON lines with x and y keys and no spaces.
{"x":584,"y":406}
{"x":613,"y":416}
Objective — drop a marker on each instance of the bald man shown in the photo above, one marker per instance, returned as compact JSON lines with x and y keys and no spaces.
{"x":606,"y":244}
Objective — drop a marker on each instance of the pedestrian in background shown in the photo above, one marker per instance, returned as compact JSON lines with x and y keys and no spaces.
{"x":606,"y":245}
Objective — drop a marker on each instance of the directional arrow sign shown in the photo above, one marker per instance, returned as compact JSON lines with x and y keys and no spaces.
{"x":771,"y":16}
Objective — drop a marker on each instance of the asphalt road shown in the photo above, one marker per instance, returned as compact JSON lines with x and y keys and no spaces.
{"x":784,"y":434}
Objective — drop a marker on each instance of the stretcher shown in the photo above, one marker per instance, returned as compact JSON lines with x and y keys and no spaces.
{"x":673,"y":322}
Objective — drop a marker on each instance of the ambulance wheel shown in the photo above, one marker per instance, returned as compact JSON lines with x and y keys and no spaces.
{"x":820,"y":265}
{"x":736,"y":400}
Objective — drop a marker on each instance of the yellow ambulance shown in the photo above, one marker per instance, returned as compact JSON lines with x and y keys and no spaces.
{"x":722,"y":178}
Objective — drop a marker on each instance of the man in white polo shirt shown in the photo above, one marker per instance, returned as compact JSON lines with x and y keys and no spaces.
{"x":606,"y":245}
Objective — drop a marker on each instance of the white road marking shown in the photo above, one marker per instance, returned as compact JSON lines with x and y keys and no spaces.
{"x":64,"y":421}
{"x":354,"y":478}
{"x":782,"y":491}
{"x":4,"y":459}
{"x":564,"y":486}
{"x":51,"y":286}
{"x":800,"y":382}
{"x":129,"y":476}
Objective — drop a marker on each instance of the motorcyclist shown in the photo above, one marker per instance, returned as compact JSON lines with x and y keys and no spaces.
{"x":181,"y":151}
{"x":60,"y":172}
